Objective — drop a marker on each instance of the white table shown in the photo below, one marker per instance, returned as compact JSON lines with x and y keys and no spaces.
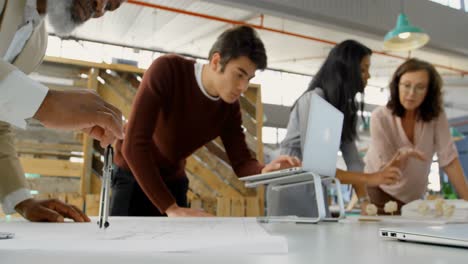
{"x":308,"y":243}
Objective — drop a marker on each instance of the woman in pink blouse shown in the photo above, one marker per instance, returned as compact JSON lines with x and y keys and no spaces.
{"x":408,"y":131}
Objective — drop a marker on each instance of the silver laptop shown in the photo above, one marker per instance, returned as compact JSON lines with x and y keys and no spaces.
{"x":448,"y":235}
{"x":320,"y":148}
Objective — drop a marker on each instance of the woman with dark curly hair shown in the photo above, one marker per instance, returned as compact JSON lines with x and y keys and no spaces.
{"x":408,"y":131}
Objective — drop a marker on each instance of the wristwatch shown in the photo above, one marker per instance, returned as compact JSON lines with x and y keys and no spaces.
{"x":364,"y":199}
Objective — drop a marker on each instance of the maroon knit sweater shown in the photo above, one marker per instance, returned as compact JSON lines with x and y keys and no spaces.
{"x":170,"y":119}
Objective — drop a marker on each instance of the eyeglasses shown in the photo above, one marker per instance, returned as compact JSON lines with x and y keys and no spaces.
{"x":417,"y":89}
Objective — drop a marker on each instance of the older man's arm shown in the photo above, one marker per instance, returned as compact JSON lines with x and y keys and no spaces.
{"x":22,"y":98}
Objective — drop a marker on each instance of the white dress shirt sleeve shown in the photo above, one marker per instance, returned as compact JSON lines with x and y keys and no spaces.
{"x":14,"y":198}
{"x":20,"y":98}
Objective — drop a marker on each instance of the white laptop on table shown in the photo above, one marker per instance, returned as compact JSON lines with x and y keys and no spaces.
{"x":447,"y":235}
{"x":321,"y":146}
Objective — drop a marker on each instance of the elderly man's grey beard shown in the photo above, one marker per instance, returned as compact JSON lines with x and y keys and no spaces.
{"x":60,"y":17}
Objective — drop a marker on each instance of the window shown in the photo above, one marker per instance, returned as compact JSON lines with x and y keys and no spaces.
{"x":442,"y":2}
{"x":457,"y":4}
{"x":273,"y":135}
{"x":434,"y":178}
{"x":280,"y":87}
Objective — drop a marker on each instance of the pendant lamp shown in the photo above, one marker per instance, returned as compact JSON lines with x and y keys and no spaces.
{"x":405,"y":37}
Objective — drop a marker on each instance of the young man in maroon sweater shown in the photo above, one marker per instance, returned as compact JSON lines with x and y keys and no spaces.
{"x":180,"y":106}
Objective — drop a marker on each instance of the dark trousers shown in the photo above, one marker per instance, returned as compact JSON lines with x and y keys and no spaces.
{"x":128,"y":199}
{"x":380,"y":198}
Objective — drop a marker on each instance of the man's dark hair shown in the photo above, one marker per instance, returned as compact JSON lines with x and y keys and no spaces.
{"x":431,"y":107}
{"x":240,"y":41}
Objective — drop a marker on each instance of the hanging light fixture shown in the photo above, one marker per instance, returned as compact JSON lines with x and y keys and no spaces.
{"x":405,"y":37}
{"x":456,"y":134}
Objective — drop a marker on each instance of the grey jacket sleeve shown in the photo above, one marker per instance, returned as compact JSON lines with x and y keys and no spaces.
{"x":293,"y":143}
{"x":351,"y":156}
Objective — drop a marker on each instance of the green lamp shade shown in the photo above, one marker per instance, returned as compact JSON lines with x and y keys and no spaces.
{"x":456,"y":134}
{"x":404,"y":36}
